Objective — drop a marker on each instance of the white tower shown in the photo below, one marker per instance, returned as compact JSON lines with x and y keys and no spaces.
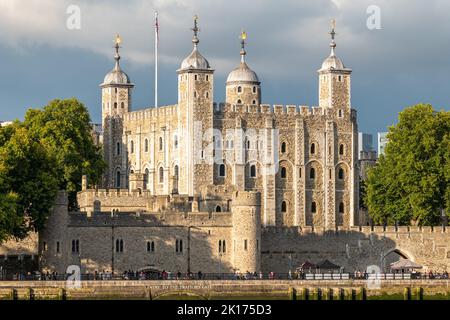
{"x":116,"y":101}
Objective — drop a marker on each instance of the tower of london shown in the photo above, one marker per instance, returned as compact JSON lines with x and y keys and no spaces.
{"x":208,"y":179}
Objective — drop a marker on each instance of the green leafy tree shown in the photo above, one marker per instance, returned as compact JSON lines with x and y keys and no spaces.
{"x":49,"y":151}
{"x":63,"y":128}
{"x":410,"y":183}
{"x":28,"y":183}
{"x":9,"y":220}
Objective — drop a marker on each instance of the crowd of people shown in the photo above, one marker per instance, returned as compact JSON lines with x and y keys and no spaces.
{"x":299,"y":274}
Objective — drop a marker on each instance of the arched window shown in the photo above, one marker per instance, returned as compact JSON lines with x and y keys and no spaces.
{"x":207,"y":95}
{"x":253,"y":171}
{"x":132,"y":147}
{"x":195,"y":94}
{"x":341,"y":149}
{"x":340,"y":113}
{"x":179,"y":246}
{"x":150,"y":246}
{"x":224,"y":246}
{"x":249,"y":144}
{"x":313,"y":148}
{"x":115,"y":105}
{"x":313,"y":207}
{"x":115,"y":90}
{"x":284,"y":207}
{"x":146,"y":173}
{"x":312,"y":173}
{"x":146,"y":145}
{"x":341,"y":207}
{"x":283,"y":147}
{"x":176,"y":172}
{"x":220,"y":246}
{"x":218,"y":209}
{"x":161,"y":144}
{"x":254,"y":89}
{"x":239,"y":89}
{"x":341,"y":174}
{"x":161,"y":175}
{"x":118,"y":184}
{"x":254,"y":102}
{"x":75,"y":246}
{"x":283,"y":173}
{"x":222,"y":170}
{"x":118,"y":148}
{"x":207,"y":78}
{"x":122,"y":105}
{"x":119,"y":245}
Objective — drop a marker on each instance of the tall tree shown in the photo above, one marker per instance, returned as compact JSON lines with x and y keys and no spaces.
{"x":49,"y":151}
{"x":63,"y":127}
{"x":28,"y":183}
{"x":411,"y":182}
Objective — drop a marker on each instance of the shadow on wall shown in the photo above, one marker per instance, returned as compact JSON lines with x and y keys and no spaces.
{"x":286,"y":249}
{"x":131,"y":241}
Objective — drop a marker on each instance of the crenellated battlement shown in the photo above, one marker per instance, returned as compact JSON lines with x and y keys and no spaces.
{"x":366,"y":230}
{"x":246,"y":198}
{"x":151,"y":112}
{"x":277,"y":109}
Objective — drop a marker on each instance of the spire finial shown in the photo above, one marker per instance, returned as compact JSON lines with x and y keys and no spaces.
{"x":117,"y":42}
{"x":243,"y":52}
{"x":333,"y":35}
{"x":196,"y":29}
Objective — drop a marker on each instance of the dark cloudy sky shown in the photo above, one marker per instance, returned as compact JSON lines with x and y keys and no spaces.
{"x":403,"y":63}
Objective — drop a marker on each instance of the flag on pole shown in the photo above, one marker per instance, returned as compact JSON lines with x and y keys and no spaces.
{"x":157,"y":27}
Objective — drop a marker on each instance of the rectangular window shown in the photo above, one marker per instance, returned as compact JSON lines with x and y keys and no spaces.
{"x":245,"y":245}
{"x":57,"y":247}
{"x":75,"y":246}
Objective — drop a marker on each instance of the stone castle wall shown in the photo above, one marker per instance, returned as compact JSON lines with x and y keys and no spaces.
{"x":247,"y":246}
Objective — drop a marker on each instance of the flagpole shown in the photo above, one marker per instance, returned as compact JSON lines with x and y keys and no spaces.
{"x":156,"y":58}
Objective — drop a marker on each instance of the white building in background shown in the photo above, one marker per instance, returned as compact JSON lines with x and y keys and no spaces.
{"x":382,"y":141}
{"x":5,"y":123}
{"x":365,"y":143}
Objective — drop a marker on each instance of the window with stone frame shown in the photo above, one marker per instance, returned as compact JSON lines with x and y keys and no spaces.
{"x":341,"y":174}
{"x":341,"y":149}
{"x":222,"y":170}
{"x":161,"y":175}
{"x":312,"y":174}
{"x":313,"y":207}
{"x":341,"y":207}
{"x":253,"y":171}
{"x":283,"y":147}
{"x":284,"y":207}
{"x":283,"y":173}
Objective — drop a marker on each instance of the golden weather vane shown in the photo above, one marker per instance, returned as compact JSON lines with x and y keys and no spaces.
{"x":243,"y":35}
{"x":118,"y":39}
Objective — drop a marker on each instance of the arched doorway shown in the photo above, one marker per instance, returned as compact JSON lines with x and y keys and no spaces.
{"x":392,"y":256}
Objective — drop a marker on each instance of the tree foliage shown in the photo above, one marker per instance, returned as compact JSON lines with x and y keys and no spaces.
{"x":49,"y":151}
{"x":411,"y":181}
{"x":64,"y":130}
